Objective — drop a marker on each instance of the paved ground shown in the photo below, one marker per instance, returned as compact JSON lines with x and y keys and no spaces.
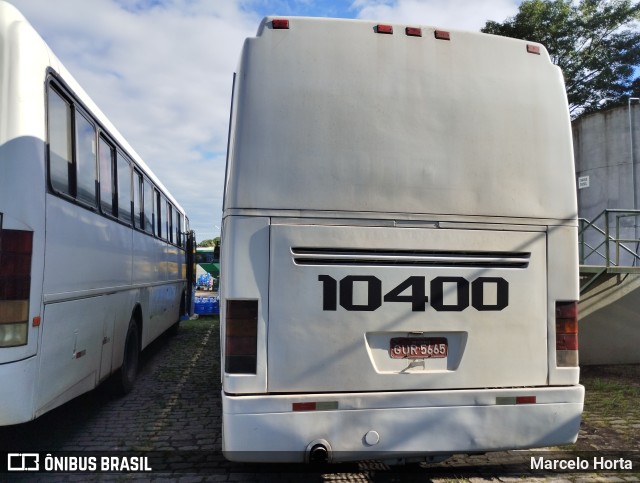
{"x":174,"y":416}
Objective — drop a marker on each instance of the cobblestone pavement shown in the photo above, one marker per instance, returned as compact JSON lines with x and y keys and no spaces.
{"x":173,"y":414}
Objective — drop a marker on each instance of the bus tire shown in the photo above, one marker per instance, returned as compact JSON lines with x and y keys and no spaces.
{"x":126,"y":376}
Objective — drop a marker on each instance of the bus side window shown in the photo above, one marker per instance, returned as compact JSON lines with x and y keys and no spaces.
{"x":178,"y":226}
{"x":61,"y":168}
{"x":138,"y":201}
{"x":106,"y":157}
{"x":170,"y":236}
{"x":85,"y":160}
{"x":124,"y":188}
{"x":158,"y":214}
{"x":148,"y":206}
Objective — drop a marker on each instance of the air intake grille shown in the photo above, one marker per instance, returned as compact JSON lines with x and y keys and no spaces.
{"x":421,"y":258}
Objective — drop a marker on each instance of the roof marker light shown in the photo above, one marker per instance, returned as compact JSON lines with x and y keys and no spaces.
{"x":280,"y":24}
{"x":533,"y":49}
{"x":384,"y":29}
{"x":442,"y":35}
{"x":413,"y":31}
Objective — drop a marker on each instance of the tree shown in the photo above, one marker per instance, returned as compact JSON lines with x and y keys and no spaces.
{"x":210,"y":242}
{"x":596,"y":43}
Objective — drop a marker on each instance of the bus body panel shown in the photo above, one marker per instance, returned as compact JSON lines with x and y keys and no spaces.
{"x":85,"y":251}
{"x":16,"y":405}
{"x":71,"y":350}
{"x":413,"y":121}
{"x":409,"y":424}
{"x":441,"y":292}
{"x":247,"y":251}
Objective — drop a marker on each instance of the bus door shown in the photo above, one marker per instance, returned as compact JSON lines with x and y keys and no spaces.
{"x":190,"y":254}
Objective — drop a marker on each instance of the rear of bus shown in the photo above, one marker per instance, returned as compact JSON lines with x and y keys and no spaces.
{"x":399,"y":246}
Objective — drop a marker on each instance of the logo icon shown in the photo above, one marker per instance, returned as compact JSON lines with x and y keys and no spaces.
{"x":23,"y":462}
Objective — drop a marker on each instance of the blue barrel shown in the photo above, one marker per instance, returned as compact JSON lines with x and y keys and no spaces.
{"x":216,"y":306}
{"x":199,"y":306}
{"x":208,"y":306}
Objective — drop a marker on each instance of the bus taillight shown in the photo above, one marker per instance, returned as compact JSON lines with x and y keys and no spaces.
{"x":15,"y":284}
{"x":567,"y":334}
{"x":241,"y":336}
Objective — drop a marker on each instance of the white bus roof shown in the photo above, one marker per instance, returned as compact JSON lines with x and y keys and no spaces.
{"x":334,"y":115}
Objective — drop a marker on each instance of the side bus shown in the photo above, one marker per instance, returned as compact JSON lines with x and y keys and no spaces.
{"x":399,"y":246}
{"x":92,"y":245}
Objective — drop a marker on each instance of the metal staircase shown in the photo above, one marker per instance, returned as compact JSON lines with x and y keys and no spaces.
{"x":608,"y":246}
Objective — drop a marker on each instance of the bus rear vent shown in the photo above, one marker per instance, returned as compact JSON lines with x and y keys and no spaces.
{"x":426,"y":258}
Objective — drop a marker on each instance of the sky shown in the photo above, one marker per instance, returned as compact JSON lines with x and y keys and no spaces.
{"x":161,"y":70}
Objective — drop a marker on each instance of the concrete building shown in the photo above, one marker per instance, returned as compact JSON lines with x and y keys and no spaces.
{"x":607,"y":157}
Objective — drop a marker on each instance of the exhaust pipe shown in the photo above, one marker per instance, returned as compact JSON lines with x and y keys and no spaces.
{"x":318,"y":452}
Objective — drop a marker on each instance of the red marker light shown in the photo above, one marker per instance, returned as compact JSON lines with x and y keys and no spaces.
{"x":533,"y":49}
{"x":280,"y":24}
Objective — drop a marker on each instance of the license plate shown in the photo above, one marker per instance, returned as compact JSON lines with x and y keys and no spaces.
{"x":418,"y":348}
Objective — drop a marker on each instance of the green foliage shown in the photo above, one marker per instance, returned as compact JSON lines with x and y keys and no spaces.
{"x":210,"y":242}
{"x":596,"y":43}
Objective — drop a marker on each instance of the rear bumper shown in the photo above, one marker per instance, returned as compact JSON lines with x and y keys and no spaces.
{"x":409,"y":424}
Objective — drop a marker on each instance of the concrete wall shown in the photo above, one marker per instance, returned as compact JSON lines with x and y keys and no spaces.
{"x":609,"y":324}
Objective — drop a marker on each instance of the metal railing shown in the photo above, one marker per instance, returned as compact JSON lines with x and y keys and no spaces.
{"x":605,"y":245}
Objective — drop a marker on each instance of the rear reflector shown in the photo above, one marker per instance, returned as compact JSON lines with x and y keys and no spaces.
{"x":384,"y":29}
{"x":505,"y":401}
{"x":315,"y":406}
{"x":533,"y":49}
{"x":15,"y":284}
{"x":241,"y":337}
{"x":413,"y":31}
{"x":442,"y":35}
{"x":280,"y":24}
{"x":567,"y":334}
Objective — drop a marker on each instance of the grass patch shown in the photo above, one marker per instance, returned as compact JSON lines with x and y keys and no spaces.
{"x":200,"y":322}
{"x":610,"y":398}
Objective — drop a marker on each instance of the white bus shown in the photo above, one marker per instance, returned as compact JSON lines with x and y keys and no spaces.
{"x":92,"y":245}
{"x":399,"y":246}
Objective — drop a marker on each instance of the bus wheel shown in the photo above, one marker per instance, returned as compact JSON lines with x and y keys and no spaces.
{"x":129,"y":370}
